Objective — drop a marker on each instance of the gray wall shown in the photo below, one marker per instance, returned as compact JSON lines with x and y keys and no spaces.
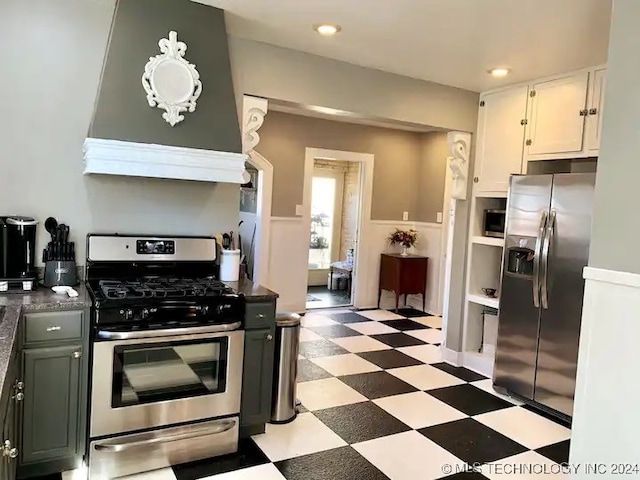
{"x":284,"y":138}
{"x":616,"y":229}
{"x":279,"y":73}
{"x":122,"y":111}
{"x":431,"y":176}
{"x":51,"y":66}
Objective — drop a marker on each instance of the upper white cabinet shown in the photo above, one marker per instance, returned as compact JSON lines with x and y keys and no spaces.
{"x":556,"y":119}
{"x":501,"y":119}
{"x":595,"y":103}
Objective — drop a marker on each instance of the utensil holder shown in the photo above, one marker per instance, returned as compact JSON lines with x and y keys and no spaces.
{"x":229,"y":265}
{"x":60,"y":273}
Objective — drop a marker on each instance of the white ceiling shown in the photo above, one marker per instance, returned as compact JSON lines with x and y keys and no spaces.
{"x":453,"y":42}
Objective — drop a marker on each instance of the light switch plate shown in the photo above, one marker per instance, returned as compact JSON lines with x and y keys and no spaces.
{"x":439,"y":217}
{"x":405,"y":216}
{"x":299,"y":210}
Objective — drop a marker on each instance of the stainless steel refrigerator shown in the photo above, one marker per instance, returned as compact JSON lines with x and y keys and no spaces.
{"x":546,"y":248}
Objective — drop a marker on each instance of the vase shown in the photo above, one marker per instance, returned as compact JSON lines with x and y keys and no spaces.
{"x":405,"y":251}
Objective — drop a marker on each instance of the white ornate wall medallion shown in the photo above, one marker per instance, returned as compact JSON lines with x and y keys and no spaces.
{"x":459,"y":145}
{"x":171,"y":82}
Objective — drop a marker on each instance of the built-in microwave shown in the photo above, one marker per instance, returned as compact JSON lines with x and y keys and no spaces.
{"x":494,"y":223}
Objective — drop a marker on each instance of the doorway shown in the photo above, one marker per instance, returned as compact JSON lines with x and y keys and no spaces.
{"x":333,"y":232}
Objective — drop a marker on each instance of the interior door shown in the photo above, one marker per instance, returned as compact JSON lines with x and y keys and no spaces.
{"x":596,"y":104}
{"x":556,"y":116}
{"x":562,"y":287}
{"x":519,"y":313}
{"x":500,"y":138}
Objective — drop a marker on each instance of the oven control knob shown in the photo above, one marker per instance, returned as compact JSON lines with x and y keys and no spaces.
{"x":220,"y":309}
{"x":204,"y":309}
{"x":144,"y":313}
{"x":127,"y":314}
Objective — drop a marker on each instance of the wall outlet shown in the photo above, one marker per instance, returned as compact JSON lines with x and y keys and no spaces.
{"x":405,"y":216}
{"x":299,"y":210}
{"x":439,"y":217}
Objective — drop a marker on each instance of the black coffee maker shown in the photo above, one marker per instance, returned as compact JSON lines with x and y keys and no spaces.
{"x":17,"y":247}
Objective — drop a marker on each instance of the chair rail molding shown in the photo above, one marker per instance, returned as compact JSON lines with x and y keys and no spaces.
{"x":460,"y":146}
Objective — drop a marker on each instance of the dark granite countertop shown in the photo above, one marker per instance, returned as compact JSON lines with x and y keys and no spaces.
{"x":253,"y":291}
{"x":17,"y":303}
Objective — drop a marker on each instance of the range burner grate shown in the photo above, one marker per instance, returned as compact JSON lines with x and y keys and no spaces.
{"x":162,"y":288}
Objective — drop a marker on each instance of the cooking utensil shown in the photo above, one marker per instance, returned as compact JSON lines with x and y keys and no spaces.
{"x":233,"y":240}
{"x":51,"y":224}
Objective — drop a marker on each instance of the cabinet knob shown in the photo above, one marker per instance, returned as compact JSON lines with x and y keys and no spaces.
{"x":528,"y":142}
{"x":13,"y":453}
{"x":593,"y":111}
{"x":77,"y":354}
{"x":260,"y":315}
{"x":19,"y":386}
{"x":269,"y":337}
{"x":18,"y":397}
{"x":476,"y":179}
{"x":584,"y":112}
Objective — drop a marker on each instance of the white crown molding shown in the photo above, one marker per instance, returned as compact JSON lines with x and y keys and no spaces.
{"x":460,"y":147}
{"x":117,"y":157}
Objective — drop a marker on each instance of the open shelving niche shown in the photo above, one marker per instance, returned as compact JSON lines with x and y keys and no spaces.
{"x":484,"y":267}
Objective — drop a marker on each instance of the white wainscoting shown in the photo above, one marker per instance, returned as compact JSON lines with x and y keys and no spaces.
{"x":288,"y":269}
{"x":606,"y":415}
{"x":288,"y":259}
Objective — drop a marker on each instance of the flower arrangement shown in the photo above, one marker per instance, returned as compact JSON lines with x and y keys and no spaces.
{"x":406,"y":238}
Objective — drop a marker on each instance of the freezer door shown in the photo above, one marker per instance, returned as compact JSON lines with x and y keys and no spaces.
{"x":565,"y":254}
{"x":519,"y":315}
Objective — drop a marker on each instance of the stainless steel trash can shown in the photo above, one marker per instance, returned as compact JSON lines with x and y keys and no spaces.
{"x":285,"y":371}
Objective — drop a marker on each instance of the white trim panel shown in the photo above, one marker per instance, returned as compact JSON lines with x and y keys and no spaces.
{"x":606,"y":414}
{"x":117,"y":157}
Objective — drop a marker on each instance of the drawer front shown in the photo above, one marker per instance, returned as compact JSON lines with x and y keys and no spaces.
{"x":53,"y":326}
{"x":259,"y":315}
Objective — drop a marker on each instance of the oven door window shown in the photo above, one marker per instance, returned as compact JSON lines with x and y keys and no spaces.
{"x":157,"y":372}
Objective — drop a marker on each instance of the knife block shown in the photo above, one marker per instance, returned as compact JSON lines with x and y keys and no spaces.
{"x":60,"y":273}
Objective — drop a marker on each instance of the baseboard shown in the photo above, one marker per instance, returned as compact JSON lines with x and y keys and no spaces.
{"x":451,"y":356}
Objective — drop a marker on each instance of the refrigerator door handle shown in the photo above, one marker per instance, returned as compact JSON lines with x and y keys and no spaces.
{"x":536,"y":259}
{"x":546,"y":245}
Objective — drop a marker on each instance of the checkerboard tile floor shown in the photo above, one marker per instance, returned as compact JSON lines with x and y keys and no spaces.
{"x":378,"y":402}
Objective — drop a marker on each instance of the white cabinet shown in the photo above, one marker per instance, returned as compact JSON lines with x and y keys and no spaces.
{"x":500,"y":139}
{"x":556,"y":117}
{"x":595,"y":103}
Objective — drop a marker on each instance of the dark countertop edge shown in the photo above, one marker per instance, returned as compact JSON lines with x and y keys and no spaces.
{"x":252,"y":291}
{"x":15,"y":304}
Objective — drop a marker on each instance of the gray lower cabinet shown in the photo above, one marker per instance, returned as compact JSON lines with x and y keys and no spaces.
{"x":10,"y":436}
{"x":257,"y":380}
{"x":54,"y":374}
{"x":51,"y":396}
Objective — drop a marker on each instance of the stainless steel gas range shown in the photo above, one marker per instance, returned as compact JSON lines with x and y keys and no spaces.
{"x":167,"y":353}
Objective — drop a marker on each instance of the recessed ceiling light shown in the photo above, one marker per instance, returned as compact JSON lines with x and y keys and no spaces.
{"x":327,"y":29}
{"x":499,"y":72}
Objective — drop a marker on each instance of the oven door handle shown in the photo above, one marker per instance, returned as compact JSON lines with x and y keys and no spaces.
{"x":120,"y":447}
{"x":167,"y":332}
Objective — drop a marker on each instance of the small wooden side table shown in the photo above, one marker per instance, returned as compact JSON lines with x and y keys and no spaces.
{"x":403,"y":275}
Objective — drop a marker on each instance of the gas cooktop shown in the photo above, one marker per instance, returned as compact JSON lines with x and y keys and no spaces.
{"x":160,"y":287}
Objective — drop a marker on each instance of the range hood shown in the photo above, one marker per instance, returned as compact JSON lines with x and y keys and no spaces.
{"x":166,"y":106}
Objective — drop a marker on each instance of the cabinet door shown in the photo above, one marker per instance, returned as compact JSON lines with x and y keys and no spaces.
{"x":51,"y":403}
{"x":500,"y":138}
{"x":595,"y":104}
{"x":257,"y":377}
{"x":9,"y":434}
{"x":556,"y":117}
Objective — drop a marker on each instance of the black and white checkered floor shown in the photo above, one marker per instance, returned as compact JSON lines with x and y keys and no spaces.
{"x":378,"y":403}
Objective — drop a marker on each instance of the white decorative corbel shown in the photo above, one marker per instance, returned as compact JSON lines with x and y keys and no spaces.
{"x":459,"y":146}
{"x":253,"y":111}
{"x":171,"y":82}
